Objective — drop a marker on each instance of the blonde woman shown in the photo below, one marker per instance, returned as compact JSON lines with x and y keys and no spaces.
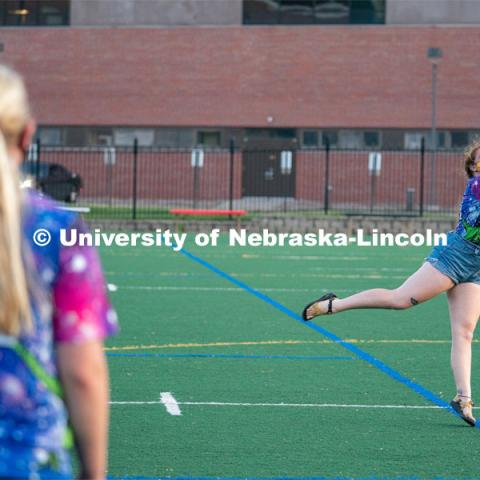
{"x":455,"y":269}
{"x":54,"y":314}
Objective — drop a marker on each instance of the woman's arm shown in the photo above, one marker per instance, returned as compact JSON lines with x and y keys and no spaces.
{"x":84,"y":375}
{"x":82,"y":318}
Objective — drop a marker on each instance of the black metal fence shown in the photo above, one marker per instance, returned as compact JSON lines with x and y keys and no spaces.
{"x":139,"y":182}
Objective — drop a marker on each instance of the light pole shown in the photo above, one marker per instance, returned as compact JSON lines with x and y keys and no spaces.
{"x":434,"y":55}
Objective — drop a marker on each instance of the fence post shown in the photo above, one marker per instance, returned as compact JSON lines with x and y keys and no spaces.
{"x":232,"y":158}
{"x":134,"y":199}
{"x":327,"y":175}
{"x":37,"y":164}
{"x":422,"y":174}
{"x":195,"y":183}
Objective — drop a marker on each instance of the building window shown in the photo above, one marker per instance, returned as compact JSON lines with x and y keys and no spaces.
{"x":25,"y":13}
{"x":371,"y":139}
{"x":297,"y":12}
{"x":330,"y":136}
{"x":443,"y":140}
{"x":174,"y":137}
{"x":125,"y":137}
{"x":473,"y":136}
{"x":276,"y":133}
{"x":258,"y":12}
{"x":351,"y":139}
{"x":413,"y":140}
{"x":285,"y":133}
{"x":50,"y":136}
{"x":75,"y":136}
{"x":310,"y":139}
{"x":459,"y":139}
{"x":102,"y":136}
{"x":291,"y":12}
{"x":209,"y":138}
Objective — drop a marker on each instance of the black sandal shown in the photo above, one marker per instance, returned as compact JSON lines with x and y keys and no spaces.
{"x":329,"y":296}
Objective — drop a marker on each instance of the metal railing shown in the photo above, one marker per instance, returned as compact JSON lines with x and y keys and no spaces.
{"x":142,"y":182}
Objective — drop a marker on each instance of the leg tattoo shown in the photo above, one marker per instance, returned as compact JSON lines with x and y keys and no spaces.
{"x":413,"y":301}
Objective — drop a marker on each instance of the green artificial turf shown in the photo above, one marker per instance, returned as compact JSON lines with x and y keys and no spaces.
{"x":170,"y":305}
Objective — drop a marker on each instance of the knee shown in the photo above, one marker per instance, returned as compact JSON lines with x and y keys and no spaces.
{"x":401,"y":302}
{"x":463,"y":331}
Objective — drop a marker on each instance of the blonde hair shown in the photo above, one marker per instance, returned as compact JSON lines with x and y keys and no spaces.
{"x":15,"y":310}
{"x":470,"y":153}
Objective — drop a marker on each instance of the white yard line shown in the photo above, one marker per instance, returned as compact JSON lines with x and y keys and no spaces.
{"x":173,"y":405}
{"x":170,"y":403}
{"x":155,"y":288}
{"x":207,"y":289}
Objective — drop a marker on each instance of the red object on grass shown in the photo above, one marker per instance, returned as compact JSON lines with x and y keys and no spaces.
{"x":191,"y":211}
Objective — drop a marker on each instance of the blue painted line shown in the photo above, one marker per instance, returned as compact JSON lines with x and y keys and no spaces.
{"x":383,"y":367}
{"x":229,"y":356}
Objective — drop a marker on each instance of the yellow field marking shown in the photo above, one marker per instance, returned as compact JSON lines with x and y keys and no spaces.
{"x":275,"y":342}
{"x":216,"y":344}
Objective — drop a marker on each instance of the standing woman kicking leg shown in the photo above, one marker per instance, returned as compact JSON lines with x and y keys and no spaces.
{"x":453,"y":268}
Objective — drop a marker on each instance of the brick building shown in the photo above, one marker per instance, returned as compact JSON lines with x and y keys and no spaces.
{"x":180,"y":73}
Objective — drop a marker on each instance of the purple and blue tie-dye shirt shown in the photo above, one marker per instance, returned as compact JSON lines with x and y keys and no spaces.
{"x":468,"y":225}
{"x":75,"y":309}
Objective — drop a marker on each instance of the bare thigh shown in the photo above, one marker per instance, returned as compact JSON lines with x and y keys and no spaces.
{"x":427,"y":282}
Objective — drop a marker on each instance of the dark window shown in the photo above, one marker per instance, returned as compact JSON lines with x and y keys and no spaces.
{"x":208,"y":138}
{"x":371,"y":139}
{"x":310,"y":138}
{"x":442,"y":140}
{"x":330,"y":136}
{"x":258,"y":12}
{"x":366,"y":12}
{"x":286,"y":133}
{"x":332,"y":12}
{"x":297,"y":12}
{"x":392,"y":139}
{"x":174,"y":137}
{"x":75,"y":136}
{"x":25,"y":13}
{"x":459,"y":139}
{"x":99,"y":136}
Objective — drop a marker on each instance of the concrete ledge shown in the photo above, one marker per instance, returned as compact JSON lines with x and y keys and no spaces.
{"x":285,"y":225}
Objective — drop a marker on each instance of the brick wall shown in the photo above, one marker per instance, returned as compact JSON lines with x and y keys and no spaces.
{"x":331,"y":76}
{"x":351,"y":183}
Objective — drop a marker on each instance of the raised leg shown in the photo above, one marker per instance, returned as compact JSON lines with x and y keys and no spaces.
{"x":427,"y":282}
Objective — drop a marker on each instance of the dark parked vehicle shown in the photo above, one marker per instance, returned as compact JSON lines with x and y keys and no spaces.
{"x":54,"y":180}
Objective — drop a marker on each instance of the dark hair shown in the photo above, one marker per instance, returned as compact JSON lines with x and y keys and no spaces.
{"x":470,"y":152}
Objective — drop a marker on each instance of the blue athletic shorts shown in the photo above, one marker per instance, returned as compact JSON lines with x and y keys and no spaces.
{"x":459,"y":259}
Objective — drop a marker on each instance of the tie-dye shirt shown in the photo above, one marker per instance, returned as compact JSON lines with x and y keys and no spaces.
{"x":74,"y":308}
{"x":469,"y":222}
